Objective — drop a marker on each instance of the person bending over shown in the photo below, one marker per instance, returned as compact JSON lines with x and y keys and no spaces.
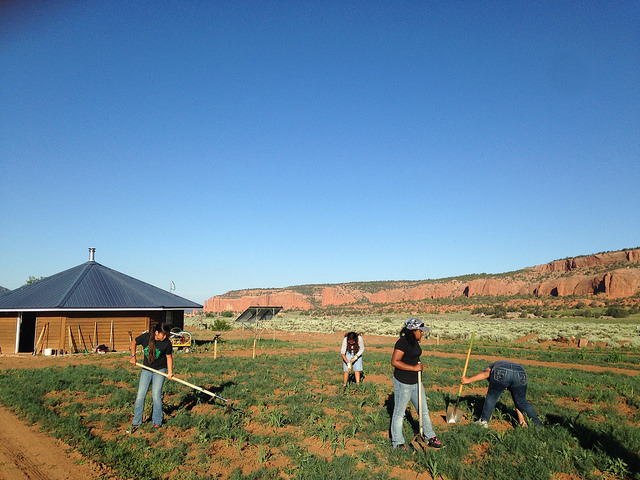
{"x":504,"y":375}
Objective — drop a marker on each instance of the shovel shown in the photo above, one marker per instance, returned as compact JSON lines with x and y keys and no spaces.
{"x":453,"y":415}
{"x":182,"y":382}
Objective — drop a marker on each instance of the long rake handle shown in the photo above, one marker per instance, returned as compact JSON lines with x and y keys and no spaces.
{"x":181,"y":381}
{"x":466,"y":363}
{"x":420,"y":403}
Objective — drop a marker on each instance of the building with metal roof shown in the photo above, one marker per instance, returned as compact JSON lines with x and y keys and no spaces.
{"x":83,"y":307}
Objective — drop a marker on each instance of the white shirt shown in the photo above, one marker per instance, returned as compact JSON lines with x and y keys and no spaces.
{"x":343,"y":350}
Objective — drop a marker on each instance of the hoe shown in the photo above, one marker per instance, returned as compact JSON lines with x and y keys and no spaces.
{"x":419,"y":445}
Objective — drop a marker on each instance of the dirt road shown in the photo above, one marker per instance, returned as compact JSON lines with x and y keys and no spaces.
{"x":26,"y":453}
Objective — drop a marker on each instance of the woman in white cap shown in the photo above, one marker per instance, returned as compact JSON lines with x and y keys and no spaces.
{"x":406,"y":363}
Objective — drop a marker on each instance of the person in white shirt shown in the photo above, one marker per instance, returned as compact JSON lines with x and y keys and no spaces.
{"x":351,"y":351}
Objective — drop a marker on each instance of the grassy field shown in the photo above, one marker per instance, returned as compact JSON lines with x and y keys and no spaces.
{"x":290,"y":418}
{"x":458,"y":326}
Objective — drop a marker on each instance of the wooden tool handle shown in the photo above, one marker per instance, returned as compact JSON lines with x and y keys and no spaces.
{"x":466,"y":363}
{"x":420,"y":402}
{"x":180,"y":381}
{"x":40,"y":338}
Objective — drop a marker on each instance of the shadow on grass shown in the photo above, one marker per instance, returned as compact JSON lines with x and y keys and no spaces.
{"x":412,"y":419}
{"x":592,"y":439}
{"x":475,"y":403}
{"x":195,"y":397}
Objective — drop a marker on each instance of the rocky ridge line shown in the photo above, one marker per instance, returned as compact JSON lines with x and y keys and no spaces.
{"x":612,"y":275}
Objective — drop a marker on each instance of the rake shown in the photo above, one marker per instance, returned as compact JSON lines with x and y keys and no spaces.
{"x":179,"y":380}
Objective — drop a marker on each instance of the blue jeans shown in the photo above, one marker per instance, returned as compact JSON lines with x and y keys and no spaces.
{"x":514,"y":379}
{"x":402,"y":393}
{"x":147,"y":378}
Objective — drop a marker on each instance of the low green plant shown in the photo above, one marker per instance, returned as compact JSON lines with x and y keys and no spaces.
{"x":220,"y":325}
{"x":298,"y":395}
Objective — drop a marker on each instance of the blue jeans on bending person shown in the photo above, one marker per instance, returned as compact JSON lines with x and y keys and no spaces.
{"x":402,"y":393}
{"x":156,"y":381}
{"x":514,"y":379}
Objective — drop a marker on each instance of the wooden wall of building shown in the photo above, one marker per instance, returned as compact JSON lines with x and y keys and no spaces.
{"x":8,"y":329}
{"x":75,"y":332}
{"x":78,"y":332}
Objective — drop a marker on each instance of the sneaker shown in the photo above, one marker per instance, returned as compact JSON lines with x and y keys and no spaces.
{"x":132,"y":429}
{"x":156,"y":426}
{"x":434,"y":442}
{"x":484,"y":423}
{"x":401,"y":447}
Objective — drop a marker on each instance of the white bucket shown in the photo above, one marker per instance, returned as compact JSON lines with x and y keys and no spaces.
{"x":48,"y":352}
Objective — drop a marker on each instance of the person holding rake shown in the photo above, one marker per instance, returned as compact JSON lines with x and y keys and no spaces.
{"x":406,"y":362}
{"x":158,"y":351}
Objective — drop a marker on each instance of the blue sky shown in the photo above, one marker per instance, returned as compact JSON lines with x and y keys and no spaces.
{"x":227,"y":145}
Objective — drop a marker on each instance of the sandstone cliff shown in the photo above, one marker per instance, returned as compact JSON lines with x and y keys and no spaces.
{"x":611,"y":275}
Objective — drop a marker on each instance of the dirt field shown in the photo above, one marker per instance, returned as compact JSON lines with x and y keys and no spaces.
{"x":27,"y":453}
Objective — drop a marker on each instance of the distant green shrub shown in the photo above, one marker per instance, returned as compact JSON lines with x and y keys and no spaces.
{"x":500,"y":311}
{"x":616,"y":311}
{"x":227,"y":314}
{"x":483,"y":310}
{"x":220,"y":325}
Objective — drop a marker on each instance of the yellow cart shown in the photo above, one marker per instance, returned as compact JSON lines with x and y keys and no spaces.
{"x":181,"y":339}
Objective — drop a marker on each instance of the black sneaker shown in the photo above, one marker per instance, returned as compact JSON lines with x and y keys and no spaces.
{"x":132,"y":429}
{"x":434,"y":442}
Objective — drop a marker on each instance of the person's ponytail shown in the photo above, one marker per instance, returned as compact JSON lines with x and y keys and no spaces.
{"x":409,"y":334}
{"x":161,"y":328}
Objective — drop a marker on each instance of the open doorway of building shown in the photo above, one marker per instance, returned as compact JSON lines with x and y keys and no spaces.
{"x":27,"y":340}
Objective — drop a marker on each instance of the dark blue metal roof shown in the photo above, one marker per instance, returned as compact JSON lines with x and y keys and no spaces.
{"x":91,"y":286}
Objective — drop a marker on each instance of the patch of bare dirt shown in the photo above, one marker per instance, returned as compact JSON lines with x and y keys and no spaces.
{"x":26,"y":453}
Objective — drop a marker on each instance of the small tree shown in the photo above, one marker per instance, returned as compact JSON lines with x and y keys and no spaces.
{"x":220,"y":325}
{"x":500,"y":311}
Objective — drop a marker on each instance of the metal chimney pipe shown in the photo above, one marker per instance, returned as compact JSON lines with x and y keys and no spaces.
{"x":92,"y":254}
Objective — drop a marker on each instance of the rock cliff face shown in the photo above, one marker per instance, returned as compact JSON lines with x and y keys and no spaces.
{"x":611,"y":275}
{"x":247,"y":298}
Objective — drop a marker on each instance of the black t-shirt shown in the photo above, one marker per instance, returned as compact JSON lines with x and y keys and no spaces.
{"x":163,"y":348}
{"x":411,"y":357}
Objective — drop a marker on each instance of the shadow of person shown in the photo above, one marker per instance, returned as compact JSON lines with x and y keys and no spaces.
{"x":195,"y":397}
{"x":597,"y":440}
{"x":412,"y":420}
